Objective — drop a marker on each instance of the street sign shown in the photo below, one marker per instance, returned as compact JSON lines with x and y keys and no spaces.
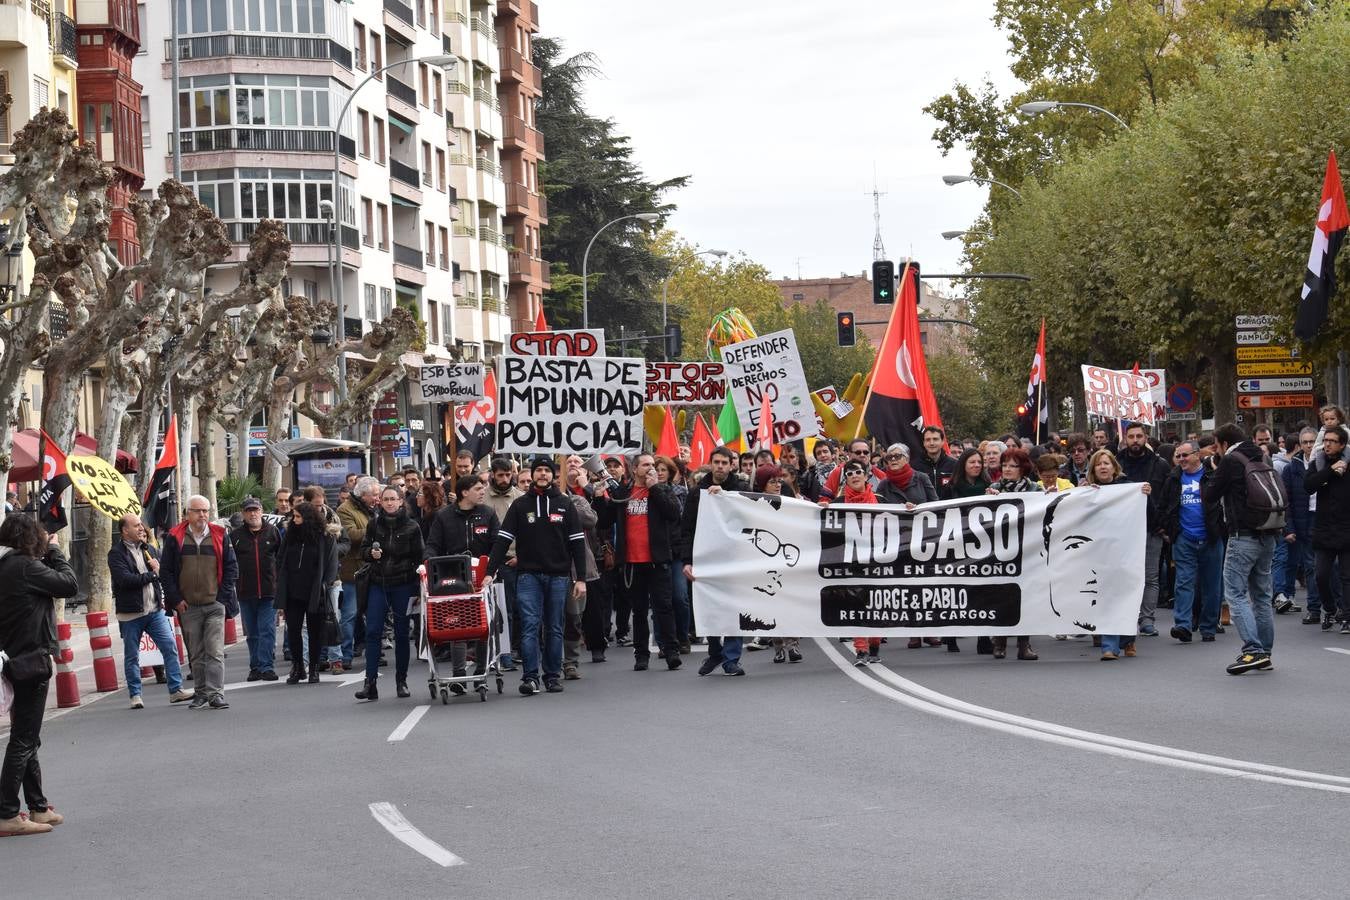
{"x":404,"y":448}
{"x":1248,"y":338}
{"x":1276,"y":401}
{"x":1273,"y":368}
{"x":1273,"y":385}
{"x":1181,"y":397}
{"x":1254,"y":322}
{"x":1267,"y":352}
{"x":1174,"y":416}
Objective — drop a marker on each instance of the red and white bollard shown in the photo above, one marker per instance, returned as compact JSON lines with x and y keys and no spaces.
{"x":67,"y":682}
{"x":100,"y":642}
{"x":231,"y":631}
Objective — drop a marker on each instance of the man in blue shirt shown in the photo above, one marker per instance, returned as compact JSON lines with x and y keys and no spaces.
{"x":1197,"y":546}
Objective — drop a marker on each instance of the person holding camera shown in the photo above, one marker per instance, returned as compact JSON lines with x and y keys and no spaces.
{"x":393,"y":547}
{"x":32,"y":572}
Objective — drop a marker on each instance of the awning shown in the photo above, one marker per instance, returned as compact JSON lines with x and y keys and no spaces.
{"x":282,"y":451}
{"x":401,"y":125}
{"x":25,"y":456}
{"x":399,"y":201}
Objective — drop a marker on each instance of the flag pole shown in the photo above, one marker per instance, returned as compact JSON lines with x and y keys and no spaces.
{"x":871,"y":377}
{"x":1039,"y":394}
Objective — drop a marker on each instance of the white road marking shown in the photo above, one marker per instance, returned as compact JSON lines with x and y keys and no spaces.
{"x":409,"y":723}
{"x":394,"y":823}
{"x":1338,"y":650}
{"x":915,"y":696}
{"x":341,"y":681}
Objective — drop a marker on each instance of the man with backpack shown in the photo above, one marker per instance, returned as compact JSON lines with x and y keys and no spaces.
{"x":1253,"y":501}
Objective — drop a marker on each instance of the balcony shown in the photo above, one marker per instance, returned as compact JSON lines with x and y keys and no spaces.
{"x":483,"y":27}
{"x":494,"y":304}
{"x":489,"y":235}
{"x":485,"y":96}
{"x":264,"y":46}
{"x":278,"y":140}
{"x":404,"y":173}
{"x":466,"y":301}
{"x":517,"y":134}
{"x":515,"y":67}
{"x":408,"y":256}
{"x":314,"y":233}
{"x":487,"y":166}
{"x":465,"y":231}
{"x":401,"y":11}
{"x":401,"y":91}
{"x":457,"y":87}
{"x":65,"y":48}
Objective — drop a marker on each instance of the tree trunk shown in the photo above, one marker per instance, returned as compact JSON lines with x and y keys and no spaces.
{"x":1223,"y":374}
{"x":278,"y":427}
{"x":183,"y":407}
{"x":206,"y":468}
{"x":118,"y":398}
{"x":10,"y":391}
{"x":60,"y":402}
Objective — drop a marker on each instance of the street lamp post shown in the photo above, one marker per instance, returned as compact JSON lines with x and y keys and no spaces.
{"x":1036,"y":107}
{"x":962,"y":179}
{"x":953,"y":235}
{"x":647,"y":217}
{"x":444,"y":60}
{"x":665,"y":285}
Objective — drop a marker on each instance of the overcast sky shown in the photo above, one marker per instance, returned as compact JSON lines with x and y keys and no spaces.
{"x":778,"y":109}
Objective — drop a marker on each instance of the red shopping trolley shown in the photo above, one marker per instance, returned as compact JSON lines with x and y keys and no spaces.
{"x":455,"y":609}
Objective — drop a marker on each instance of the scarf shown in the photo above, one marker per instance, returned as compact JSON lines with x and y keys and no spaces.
{"x":863,"y":496}
{"x":902,"y":478}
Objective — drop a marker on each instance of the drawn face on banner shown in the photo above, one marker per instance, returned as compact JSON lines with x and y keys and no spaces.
{"x":1075,"y":545}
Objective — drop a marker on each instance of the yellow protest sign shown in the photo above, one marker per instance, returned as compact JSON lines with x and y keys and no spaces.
{"x":105,"y":488}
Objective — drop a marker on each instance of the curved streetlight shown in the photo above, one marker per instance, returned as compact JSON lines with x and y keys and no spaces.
{"x":950,"y":180}
{"x":444,"y":60}
{"x":953,"y":235}
{"x":648,"y":217}
{"x":1036,"y":107}
{"x":665,"y":285}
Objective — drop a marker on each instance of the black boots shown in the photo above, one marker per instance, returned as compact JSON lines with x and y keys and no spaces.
{"x":297,"y":673}
{"x":401,"y":688}
{"x":369,"y":691}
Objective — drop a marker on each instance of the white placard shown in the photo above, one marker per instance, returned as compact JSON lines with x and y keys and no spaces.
{"x":567,"y":404}
{"x":459,"y":382}
{"x":769,"y":365}
{"x":1115,"y":394}
{"x":588,"y":342}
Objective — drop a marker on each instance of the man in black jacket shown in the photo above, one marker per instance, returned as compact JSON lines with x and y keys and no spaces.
{"x":138,"y":603}
{"x":722,"y":651}
{"x":1139,"y":464}
{"x":550,"y":545}
{"x":645,"y":516}
{"x":935,"y":463}
{"x":1196,"y":535}
{"x":1326,"y":480}
{"x":255,"y":547}
{"x":1250,"y":548}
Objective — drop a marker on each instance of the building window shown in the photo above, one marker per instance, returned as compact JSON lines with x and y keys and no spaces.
{"x":269,"y":16}
{"x":368,"y":220}
{"x":363,"y":133}
{"x":379,"y":141}
{"x":311,"y":291}
{"x":377,"y":54}
{"x":276,"y":101}
{"x":429,"y":241}
{"x":447,"y":321}
{"x":145,"y":120}
{"x":440,"y":169}
{"x":359,"y":50}
{"x":5,"y":137}
{"x":384,"y":226}
{"x":386,"y":303}
{"x":140,"y":20}
{"x":445,"y":247}
{"x":369,"y":298}
{"x":423,"y":82}
{"x":426,"y":163}
{"x":798,"y":296}
{"x":41,"y":93}
{"x":438,"y":94}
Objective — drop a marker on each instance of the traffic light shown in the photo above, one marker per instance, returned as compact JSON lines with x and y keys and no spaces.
{"x":1026,"y":425}
{"x":674,"y":340}
{"x":847,"y":334}
{"x":883,"y":281}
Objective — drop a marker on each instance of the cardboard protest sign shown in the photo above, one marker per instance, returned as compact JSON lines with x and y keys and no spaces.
{"x":459,"y":382}
{"x":685,"y":383}
{"x":1113,"y":394}
{"x":769,"y":365}
{"x":1006,"y":564}
{"x":590,"y":342}
{"x":104,"y":487}
{"x":564,"y":404}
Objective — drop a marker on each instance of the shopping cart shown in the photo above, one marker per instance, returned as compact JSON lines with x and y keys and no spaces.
{"x":454,"y":609}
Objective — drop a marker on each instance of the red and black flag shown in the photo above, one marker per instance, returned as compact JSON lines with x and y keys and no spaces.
{"x":1037,"y":411}
{"x":902,"y":403}
{"x":155,"y":504}
{"x":51,"y":508}
{"x":1319,"y":282}
{"x":476,"y":422}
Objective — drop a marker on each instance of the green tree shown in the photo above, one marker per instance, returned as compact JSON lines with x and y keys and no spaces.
{"x":970,"y":405}
{"x":823,"y":360}
{"x":591,"y":178}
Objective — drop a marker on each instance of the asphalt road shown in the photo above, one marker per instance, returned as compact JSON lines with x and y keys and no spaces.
{"x":800,"y":780}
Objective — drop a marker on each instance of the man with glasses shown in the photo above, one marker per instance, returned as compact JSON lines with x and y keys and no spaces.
{"x":1265,"y":439}
{"x":1298,"y":529}
{"x":1075,"y":470}
{"x":1327,"y":482}
{"x":198,"y":572}
{"x":1195,"y":533}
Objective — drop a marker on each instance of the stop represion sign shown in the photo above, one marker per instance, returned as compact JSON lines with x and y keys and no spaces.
{"x":1181,"y":397}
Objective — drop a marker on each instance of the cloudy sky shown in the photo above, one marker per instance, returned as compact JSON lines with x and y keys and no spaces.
{"x":779,"y":109}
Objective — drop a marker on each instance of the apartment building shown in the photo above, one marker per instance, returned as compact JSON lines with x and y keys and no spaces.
{"x":419,"y":213}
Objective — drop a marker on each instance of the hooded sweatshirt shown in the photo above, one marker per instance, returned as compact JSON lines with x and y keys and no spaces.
{"x":548,"y":535}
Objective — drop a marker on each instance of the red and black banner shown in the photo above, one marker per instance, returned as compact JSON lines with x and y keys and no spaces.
{"x":1319,"y":282}
{"x":476,"y":422}
{"x":902,"y":400}
{"x":155,"y":505}
{"x":51,"y":507}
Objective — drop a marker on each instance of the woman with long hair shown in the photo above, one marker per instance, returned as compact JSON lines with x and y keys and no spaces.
{"x":430,"y":500}
{"x":33,"y":571}
{"x":970,"y":480}
{"x":668,"y":471}
{"x":1104,"y":469}
{"x":307,"y":563}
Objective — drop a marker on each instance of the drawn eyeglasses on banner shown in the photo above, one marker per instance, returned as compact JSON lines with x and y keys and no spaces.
{"x":767,"y":542}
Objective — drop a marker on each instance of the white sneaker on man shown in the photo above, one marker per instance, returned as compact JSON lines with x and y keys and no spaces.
{"x":137,"y":702}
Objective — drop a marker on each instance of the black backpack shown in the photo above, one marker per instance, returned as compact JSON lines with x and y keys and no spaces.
{"x":1267,"y":500}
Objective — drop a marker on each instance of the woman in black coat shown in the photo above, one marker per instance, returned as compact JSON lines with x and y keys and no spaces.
{"x":394,"y":548}
{"x":306,"y":564}
{"x":1326,"y":480}
{"x":903,"y":484}
{"x":33,"y":571}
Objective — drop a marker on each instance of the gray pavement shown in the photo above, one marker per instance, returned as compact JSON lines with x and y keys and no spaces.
{"x":796,"y":781}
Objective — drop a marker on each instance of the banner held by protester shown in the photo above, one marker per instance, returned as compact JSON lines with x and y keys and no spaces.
{"x":103,"y":486}
{"x":456,"y":382}
{"x":1113,"y":394}
{"x":1011,"y":564}
{"x":561,"y":404}
{"x":686,"y":383}
{"x":769,"y":365}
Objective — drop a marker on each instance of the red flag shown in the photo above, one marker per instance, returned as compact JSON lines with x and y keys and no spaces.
{"x":476,"y":422}
{"x":540,"y":323}
{"x":902,"y":400}
{"x":704,"y":443}
{"x":669,"y":445}
{"x":764,"y":430}
{"x":1319,"y":282}
{"x":155,"y":503}
{"x":51,"y":510}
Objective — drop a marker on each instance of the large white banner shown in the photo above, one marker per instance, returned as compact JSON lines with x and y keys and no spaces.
{"x":1009,"y":564}
{"x":770,"y":365}
{"x":570,"y":404}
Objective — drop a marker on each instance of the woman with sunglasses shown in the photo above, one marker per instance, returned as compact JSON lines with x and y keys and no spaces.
{"x":856,"y":488}
{"x":902,"y":484}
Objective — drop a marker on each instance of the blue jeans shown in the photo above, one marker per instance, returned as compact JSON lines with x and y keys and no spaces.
{"x":1111,"y":643}
{"x":346,"y":625}
{"x":542,"y":600}
{"x":381,"y":599}
{"x":1247,"y":585}
{"x":1280,"y":573}
{"x":260,"y":626}
{"x":1199,"y":572}
{"x":727,"y":649}
{"x":156,"y":624}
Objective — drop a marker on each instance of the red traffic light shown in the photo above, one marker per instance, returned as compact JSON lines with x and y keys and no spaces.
{"x":845,"y":319}
{"x":1022,"y":409}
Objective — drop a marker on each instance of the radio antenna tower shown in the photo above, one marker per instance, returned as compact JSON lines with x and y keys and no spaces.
{"x":878,"y":248}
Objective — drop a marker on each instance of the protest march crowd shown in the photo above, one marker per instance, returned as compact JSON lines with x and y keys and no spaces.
{"x":597,"y":554}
